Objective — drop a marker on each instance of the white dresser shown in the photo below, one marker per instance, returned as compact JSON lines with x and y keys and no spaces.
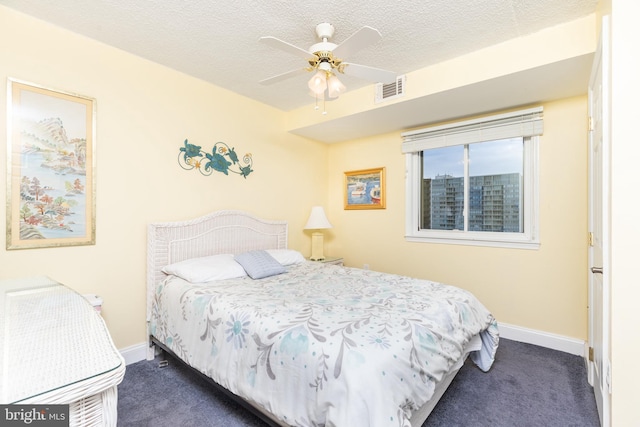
{"x":56,"y":349}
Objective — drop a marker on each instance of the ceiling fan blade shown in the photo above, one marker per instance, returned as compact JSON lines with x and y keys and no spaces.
{"x":287,"y":47}
{"x":283,"y":76}
{"x":369,"y":73}
{"x":362,"y":38}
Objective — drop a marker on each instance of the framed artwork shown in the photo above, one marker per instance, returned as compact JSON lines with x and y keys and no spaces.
{"x":50,"y":167}
{"x":365,"y":189}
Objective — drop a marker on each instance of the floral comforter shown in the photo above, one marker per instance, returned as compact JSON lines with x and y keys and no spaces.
{"x":323,"y":345}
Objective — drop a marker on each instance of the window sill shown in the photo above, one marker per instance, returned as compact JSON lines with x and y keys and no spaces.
{"x":511,"y":244}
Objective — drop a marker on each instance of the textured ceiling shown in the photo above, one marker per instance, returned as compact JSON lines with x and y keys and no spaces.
{"x":218,"y":41}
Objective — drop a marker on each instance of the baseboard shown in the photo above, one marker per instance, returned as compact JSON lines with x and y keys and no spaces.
{"x":138,"y":352}
{"x":134,"y":353}
{"x":543,"y":339}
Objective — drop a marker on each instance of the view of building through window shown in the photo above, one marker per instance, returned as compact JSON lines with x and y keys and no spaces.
{"x":494,"y":172}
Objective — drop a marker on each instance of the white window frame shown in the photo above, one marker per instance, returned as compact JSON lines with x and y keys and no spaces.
{"x":523,"y":123}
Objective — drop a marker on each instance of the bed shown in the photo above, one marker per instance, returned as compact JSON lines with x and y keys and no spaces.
{"x":303,"y":343}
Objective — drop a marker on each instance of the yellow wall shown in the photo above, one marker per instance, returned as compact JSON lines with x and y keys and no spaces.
{"x":144,"y":113}
{"x":514,"y":284}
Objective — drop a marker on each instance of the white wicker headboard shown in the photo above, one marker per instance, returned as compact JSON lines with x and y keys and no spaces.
{"x":221,"y":232}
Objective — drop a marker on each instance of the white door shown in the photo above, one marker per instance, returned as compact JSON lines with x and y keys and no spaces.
{"x":599,"y":101}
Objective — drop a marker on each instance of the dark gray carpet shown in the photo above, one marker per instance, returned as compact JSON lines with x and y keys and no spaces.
{"x":527,"y":386}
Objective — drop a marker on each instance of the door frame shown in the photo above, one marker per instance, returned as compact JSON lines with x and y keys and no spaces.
{"x":601,"y":64}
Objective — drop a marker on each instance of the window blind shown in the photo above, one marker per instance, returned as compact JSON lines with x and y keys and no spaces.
{"x":520,"y":123}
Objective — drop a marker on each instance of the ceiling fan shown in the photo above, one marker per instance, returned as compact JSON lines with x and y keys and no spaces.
{"x":327,"y":59}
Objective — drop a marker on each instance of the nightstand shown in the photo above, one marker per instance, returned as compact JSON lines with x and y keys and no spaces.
{"x":332,"y":261}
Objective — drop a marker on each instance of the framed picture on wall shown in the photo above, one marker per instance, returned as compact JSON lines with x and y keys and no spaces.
{"x":365,"y":189}
{"x":51,"y":167}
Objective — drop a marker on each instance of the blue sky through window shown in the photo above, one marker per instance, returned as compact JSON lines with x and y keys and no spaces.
{"x":485,"y":158}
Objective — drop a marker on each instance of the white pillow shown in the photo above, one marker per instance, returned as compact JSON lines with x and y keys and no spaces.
{"x":206,"y":269}
{"x":286,"y":256}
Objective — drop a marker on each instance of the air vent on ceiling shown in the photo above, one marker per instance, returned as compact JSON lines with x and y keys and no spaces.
{"x":385,"y":92}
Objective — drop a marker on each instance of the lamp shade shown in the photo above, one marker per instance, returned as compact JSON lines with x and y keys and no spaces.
{"x":317,"y":220}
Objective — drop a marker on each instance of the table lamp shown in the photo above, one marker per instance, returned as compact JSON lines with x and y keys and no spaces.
{"x":317,"y":221}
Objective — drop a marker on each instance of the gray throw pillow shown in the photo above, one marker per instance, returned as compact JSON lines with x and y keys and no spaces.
{"x":259,"y":264}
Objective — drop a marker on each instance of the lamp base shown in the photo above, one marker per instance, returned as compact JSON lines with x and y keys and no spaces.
{"x":317,"y":247}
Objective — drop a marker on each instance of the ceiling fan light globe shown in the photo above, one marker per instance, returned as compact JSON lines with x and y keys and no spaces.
{"x":318,"y":82}
{"x":336,"y":87}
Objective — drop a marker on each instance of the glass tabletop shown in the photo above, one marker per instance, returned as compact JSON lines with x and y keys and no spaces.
{"x":51,"y":337}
